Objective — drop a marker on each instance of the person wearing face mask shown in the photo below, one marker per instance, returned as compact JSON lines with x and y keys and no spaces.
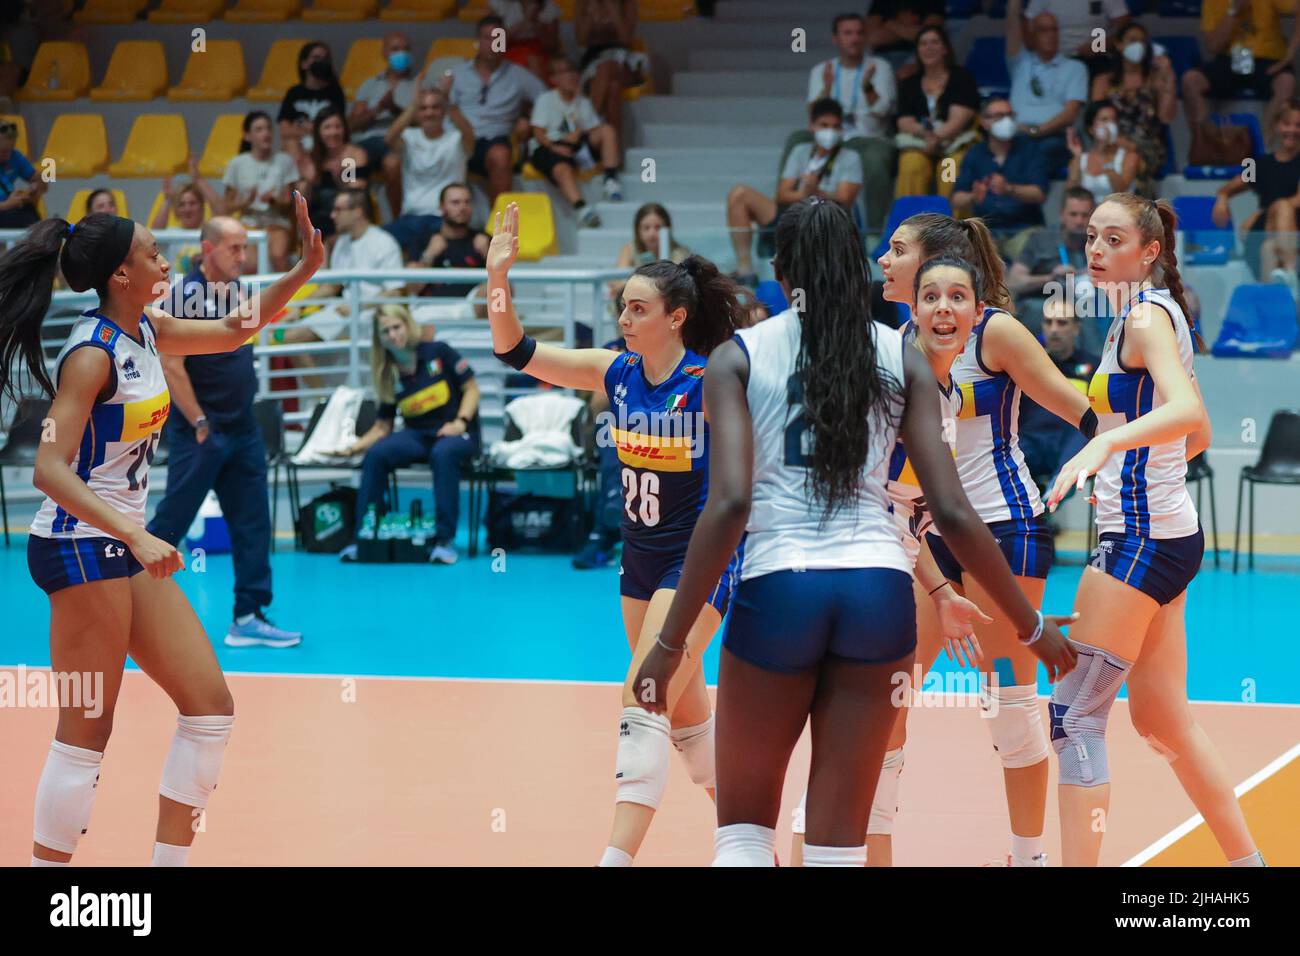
{"x":1106,"y":166}
{"x":380,"y":100}
{"x":1048,"y":88}
{"x":317,"y":89}
{"x":1053,"y":259}
{"x":1142,"y":88}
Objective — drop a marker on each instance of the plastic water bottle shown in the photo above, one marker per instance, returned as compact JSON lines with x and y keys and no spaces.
{"x":368,"y":525}
{"x":386,"y":527}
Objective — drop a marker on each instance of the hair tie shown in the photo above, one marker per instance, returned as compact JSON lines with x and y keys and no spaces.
{"x":68,"y":234}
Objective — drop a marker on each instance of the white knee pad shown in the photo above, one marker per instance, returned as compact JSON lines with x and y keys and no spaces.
{"x":1015,"y":723}
{"x":1079,"y":709}
{"x":695,"y":744}
{"x":194,"y":761}
{"x":834,"y":855}
{"x":884,"y":806}
{"x":798,"y":818}
{"x":744,"y":844}
{"x":65,"y":795}
{"x":641,"y":767}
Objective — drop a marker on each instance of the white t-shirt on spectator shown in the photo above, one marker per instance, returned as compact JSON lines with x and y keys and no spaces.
{"x":376,"y":249}
{"x":1073,"y":19}
{"x":492,"y":107}
{"x":512,"y":14}
{"x":560,"y":118}
{"x":245,"y":171}
{"x":427,"y":166}
{"x":847,"y":167}
{"x":372,"y":91}
{"x":860,"y":119}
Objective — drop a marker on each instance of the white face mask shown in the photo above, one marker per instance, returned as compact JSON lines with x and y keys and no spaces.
{"x":1003,"y":128}
{"x":1106,"y":133}
{"x":1135,"y":51}
{"x":827,"y":138}
{"x":306,"y":142}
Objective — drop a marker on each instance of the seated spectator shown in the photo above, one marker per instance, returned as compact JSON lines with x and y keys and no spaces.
{"x":936,"y":107}
{"x":1270,"y":231}
{"x":1048,"y":89}
{"x":864,"y":87}
{"x":894,"y":26}
{"x":317,"y":88}
{"x":101,"y":200}
{"x":1251,"y":57}
{"x":606,"y":532}
{"x":1142,"y":88}
{"x":432,"y":144}
{"x":568,"y":133}
{"x":334,"y":163}
{"x":433,"y":388}
{"x":187,"y":202}
{"x":259,"y":182}
{"x":17,"y":202}
{"x":647,"y":225}
{"x":1078,"y":21}
{"x":532,"y":32}
{"x":606,"y":30}
{"x":456,"y":245}
{"x":1105,"y":167}
{"x":1054,"y":262}
{"x":821,"y":168}
{"x":380,"y":100}
{"x":1002,"y":180}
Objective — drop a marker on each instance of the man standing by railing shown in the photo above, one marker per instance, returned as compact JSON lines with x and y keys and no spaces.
{"x":214,"y":439}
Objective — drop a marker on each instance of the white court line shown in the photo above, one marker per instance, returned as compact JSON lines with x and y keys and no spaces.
{"x":1187,"y":826}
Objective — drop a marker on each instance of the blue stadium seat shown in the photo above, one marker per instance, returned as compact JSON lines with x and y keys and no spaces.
{"x":1176,"y":8}
{"x":987,"y":62}
{"x":1169,"y":166}
{"x":1183,"y":51}
{"x":902,"y":208}
{"x":962,"y":9}
{"x":1260,"y":323}
{"x":1205,"y":244}
{"x":1248,"y":120}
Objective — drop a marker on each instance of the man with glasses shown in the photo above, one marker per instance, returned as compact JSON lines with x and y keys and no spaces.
{"x":1048,"y":89}
{"x":20,"y":188}
{"x":1088,"y":28}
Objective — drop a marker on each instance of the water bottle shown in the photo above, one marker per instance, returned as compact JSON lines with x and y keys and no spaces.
{"x":1243,"y":61}
{"x":368,"y":525}
{"x":386,"y":526}
{"x":419,"y":526}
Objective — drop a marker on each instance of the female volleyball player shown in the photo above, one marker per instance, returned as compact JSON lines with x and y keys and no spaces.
{"x":1150,"y":542}
{"x":805,"y":409}
{"x":88,"y":548}
{"x":674,"y":316}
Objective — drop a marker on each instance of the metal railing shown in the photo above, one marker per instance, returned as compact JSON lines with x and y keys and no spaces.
{"x":169,"y":237}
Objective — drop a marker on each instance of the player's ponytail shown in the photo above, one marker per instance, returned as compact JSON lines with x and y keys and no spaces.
{"x":710,"y":298}
{"x":840,"y":382}
{"x":967,"y":239}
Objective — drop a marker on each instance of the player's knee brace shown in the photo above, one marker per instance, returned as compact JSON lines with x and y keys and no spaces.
{"x":744,"y":844}
{"x":194,"y":761}
{"x":641,"y":767}
{"x":695,"y":744}
{"x":65,"y":795}
{"x":1015,"y":723}
{"x":1079,"y":708}
{"x":884,"y":805}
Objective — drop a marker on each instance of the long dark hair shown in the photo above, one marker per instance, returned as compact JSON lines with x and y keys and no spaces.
{"x":1117,"y":71}
{"x":244,"y":145}
{"x":304,"y":51}
{"x":956,"y":262}
{"x":711,"y":300}
{"x":650,"y":209}
{"x":317,"y":147}
{"x":949,"y":57}
{"x":841,"y":384}
{"x":967,"y":239}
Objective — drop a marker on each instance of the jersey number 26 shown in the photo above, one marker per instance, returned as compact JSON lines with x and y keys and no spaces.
{"x":648,"y":486}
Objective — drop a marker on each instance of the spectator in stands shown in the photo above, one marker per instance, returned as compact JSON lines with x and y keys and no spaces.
{"x":1078,"y":22}
{"x":1270,"y":231}
{"x":1003,"y":180}
{"x":433,"y":388}
{"x":456,"y":245}
{"x":821,"y":168}
{"x":606,"y":30}
{"x":1142,"y":88}
{"x":1106,"y":166}
{"x":334,"y":163}
{"x":101,"y":200}
{"x":864,"y":87}
{"x":258,"y":185}
{"x":380,"y":100}
{"x":1250,"y":55}
{"x":1053,"y":259}
{"x":316,"y":90}
{"x":494,"y":95}
{"x":17,"y":203}
{"x":532,"y":32}
{"x":894,"y":26}
{"x":647,"y":225}
{"x":606,"y":531}
{"x":568,"y":132}
{"x":1048,"y":89}
{"x":936,"y":109}
{"x":187,"y":203}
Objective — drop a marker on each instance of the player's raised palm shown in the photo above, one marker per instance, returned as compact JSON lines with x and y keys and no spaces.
{"x":505,"y":240}
{"x":313,"y":246}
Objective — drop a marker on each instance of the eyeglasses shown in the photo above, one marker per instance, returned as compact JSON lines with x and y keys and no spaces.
{"x":8,"y":128}
{"x":1036,"y":86}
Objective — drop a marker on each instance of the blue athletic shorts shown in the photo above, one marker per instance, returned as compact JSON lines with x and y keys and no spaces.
{"x":791,"y":621}
{"x":645,"y":570}
{"x":58,"y":563}
{"x":1027,"y":546}
{"x":1161,"y":568}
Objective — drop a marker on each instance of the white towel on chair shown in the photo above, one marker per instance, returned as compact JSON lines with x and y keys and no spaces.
{"x":336,"y":429}
{"x":545,"y":423}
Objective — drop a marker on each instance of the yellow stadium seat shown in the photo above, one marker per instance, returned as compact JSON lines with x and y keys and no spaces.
{"x":365,"y":59}
{"x":222,"y":146}
{"x":137,"y":71}
{"x":536,"y":223}
{"x":20,"y":138}
{"x":156,"y":146}
{"x":172,"y":222}
{"x":279,"y":72}
{"x":466,"y":48}
{"x":660,"y":10}
{"x":78,"y":144}
{"x":646,"y":87}
{"x":110,"y":11}
{"x":473,"y":11}
{"x":77,"y":208}
{"x":420,"y":10}
{"x":215,"y":73}
{"x":531,"y":172}
{"x":567,"y":8}
{"x":263,"y":11}
{"x":336,"y":11}
{"x":187,"y":11}
{"x":61,"y":71}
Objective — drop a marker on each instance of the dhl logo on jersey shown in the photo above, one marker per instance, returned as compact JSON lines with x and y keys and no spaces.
{"x":145,"y":416}
{"x":425,"y":400}
{"x":638,"y":450}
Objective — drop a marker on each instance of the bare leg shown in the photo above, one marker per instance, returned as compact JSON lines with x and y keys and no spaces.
{"x":567,"y":183}
{"x":746,"y":207}
{"x":500,"y":176}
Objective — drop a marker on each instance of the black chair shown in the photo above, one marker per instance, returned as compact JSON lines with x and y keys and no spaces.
{"x":1199,"y":473}
{"x":270,"y":420}
{"x":20,"y":447}
{"x":366,"y":416}
{"x":1279,"y":464}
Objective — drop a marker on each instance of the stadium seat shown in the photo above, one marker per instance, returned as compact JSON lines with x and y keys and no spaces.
{"x":365,"y":59}
{"x":1179,"y":8}
{"x":1278,"y":464}
{"x":473,"y":11}
{"x":77,"y":208}
{"x":987,"y":63}
{"x":1184,"y":52}
{"x":61,"y":71}
{"x":263,"y":11}
{"x":1170,"y":165}
{"x":137,"y":71}
{"x":963,"y":9}
{"x":223,"y":144}
{"x":78,"y":144}
{"x":904,"y":207}
{"x":172,"y":222}
{"x":187,"y":11}
{"x":156,"y":146}
{"x":279,"y":72}
{"x":1204,"y":243}
{"x":466,"y":48}
{"x":531,"y":172}
{"x":20,"y":139}
{"x":648,"y":86}
{"x":214,"y":74}
{"x":1248,"y":120}
{"x":536,"y":223}
{"x":1260,"y":323}
{"x":418,"y":10}
{"x":337,"y":11}
{"x":110,"y":11}
{"x":665,"y":10}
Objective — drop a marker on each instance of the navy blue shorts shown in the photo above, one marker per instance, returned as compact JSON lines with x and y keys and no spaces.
{"x":791,"y":621}
{"x":1027,"y":546}
{"x":58,"y":563}
{"x":645,"y":570}
{"x":478,"y":160}
{"x":1160,"y":568}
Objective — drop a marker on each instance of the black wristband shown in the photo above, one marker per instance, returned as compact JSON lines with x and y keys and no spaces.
{"x":520,"y":355}
{"x":940,"y":587}
{"x":1088,"y":424}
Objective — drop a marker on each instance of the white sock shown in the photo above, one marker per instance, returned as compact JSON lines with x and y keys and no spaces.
{"x":244,"y":619}
{"x":615,"y":857}
{"x":164,"y":854}
{"x":834,"y":855}
{"x":1255,"y":859}
{"x":36,"y":861}
{"x":1024,"y":849}
{"x":744,"y":844}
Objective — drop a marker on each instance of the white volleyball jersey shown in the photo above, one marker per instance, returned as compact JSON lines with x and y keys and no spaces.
{"x":121,"y":434}
{"x":1142,"y":491}
{"x":785,"y":531}
{"x":989,"y":461}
